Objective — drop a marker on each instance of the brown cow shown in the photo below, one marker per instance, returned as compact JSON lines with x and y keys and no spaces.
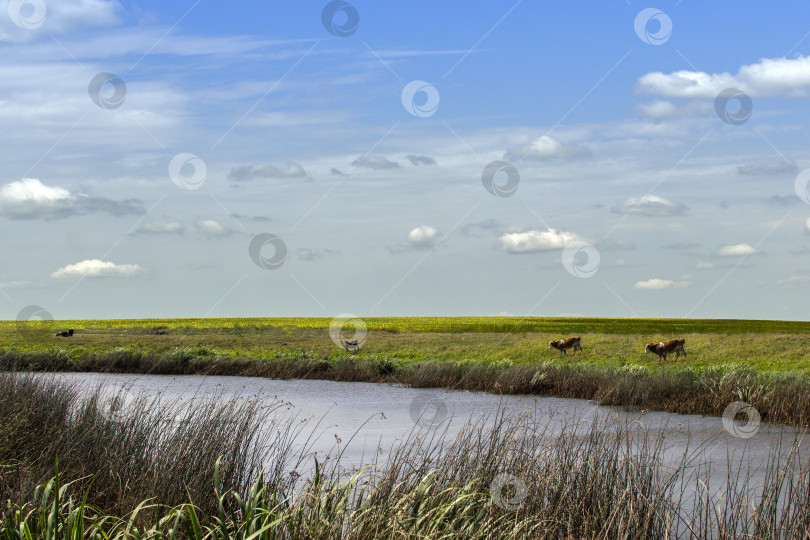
{"x":563,"y":345}
{"x":663,"y":348}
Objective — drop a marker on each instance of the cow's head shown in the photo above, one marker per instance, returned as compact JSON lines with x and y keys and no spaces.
{"x":554,"y":344}
{"x":651,"y":347}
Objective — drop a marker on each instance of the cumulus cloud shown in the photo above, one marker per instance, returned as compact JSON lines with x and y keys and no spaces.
{"x":536,"y":240}
{"x":768,"y":77}
{"x":767,"y":169}
{"x":658,"y":284}
{"x":29,"y":198}
{"x":375,"y":163}
{"x":736,"y":250}
{"x":650,"y":205}
{"x":251,"y":172}
{"x":212,"y":228}
{"x":423,"y":237}
{"x":421,"y":160}
{"x":547,"y":147}
{"x":162,"y":227}
{"x":704,"y":265}
{"x":96,"y":268}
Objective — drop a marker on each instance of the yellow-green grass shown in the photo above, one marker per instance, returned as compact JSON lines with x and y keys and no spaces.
{"x":764,"y":345}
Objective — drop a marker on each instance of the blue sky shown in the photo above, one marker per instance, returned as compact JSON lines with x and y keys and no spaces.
{"x":634,"y":198}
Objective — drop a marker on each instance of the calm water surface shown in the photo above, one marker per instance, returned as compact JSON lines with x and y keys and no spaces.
{"x":367,"y":416}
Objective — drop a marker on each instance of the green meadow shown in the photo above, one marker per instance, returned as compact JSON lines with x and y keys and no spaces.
{"x":766,"y":363}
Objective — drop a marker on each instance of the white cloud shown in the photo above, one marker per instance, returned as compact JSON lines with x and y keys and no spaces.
{"x":29,"y":198}
{"x":97,"y":268}
{"x":768,"y":77}
{"x":547,"y":147}
{"x":212,"y":228}
{"x":162,"y":227}
{"x":535,"y":240}
{"x":60,"y":17}
{"x":703,"y":265}
{"x":32,"y":190}
{"x":793,"y":281}
{"x":807,"y":224}
{"x":423,"y":237}
{"x":650,"y":205}
{"x":657,"y":284}
{"x":736,"y":250}
{"x":657,"y":110}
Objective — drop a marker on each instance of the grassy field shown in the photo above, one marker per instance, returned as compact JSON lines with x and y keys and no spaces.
{"x":766,"y":363}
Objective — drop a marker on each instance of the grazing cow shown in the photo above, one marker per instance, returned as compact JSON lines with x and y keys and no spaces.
{"x":663,"y":348}
{"x":563,"y":345}
{"x":350,"y":344}
{"x":66,"y":333}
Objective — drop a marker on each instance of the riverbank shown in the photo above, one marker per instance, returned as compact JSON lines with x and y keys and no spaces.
{"x":124,"y":469}
{"x":726,"y":363}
